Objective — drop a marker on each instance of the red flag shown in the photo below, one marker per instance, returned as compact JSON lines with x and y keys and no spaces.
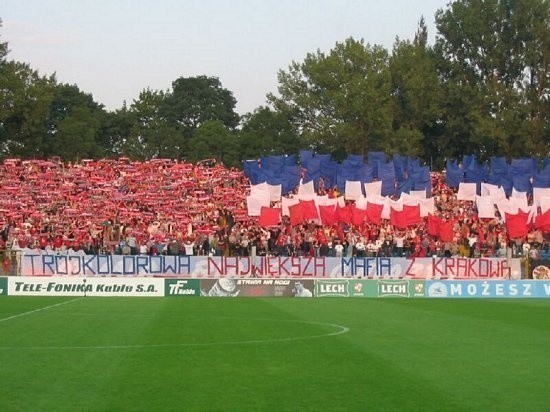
{"x":296,"y":214}
{"x":358,"y":216}
{"x":310,"y":210}
{"x":412,"y":215}
{"x":269,"y":216}
{"x":409,"y":216}
{"x":328,"y":215}
{"x":433,"y":225}
{"x":397,"y":219}
{"x":343,"y":214}
{"x":516,"y":225}
{"x":446,"y":232}
{"x":542,"y":222}
{"x":374,"y":213}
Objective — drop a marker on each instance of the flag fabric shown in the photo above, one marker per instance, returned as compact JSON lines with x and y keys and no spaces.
{"x":306,"y":191}
{"x":540,"y":193}
{"x":296,"y":213}
{"x":353,"y":190}
{"x":373,"y":188}
{"x":419,"y":194}
{"x":409,"y":216}
{"x":321,"y":200}
{"x":446,"y":232}
{"x":358,"y":216}
{"x":374,"y":212}
{"x":327,"y":215}
{"x":496,"y":192}
{"x":286,"y":202}
{"x":269,"y":216}
{"x":542,"y":222}
{"x":485,"y":207}
{"x":466,"y":191}
{"x":433,"y":225}
{"x":361,"y":203}
{"x":343,"y":214}
{"x":516,"y":224}
{"x":275,"y":192}
{"x":254,"y":204}
{"x":396,"y":219}
{"x":309,"y":209}
{"x":427,"y":206}
{"x":506,"y":207}
{"x":259,"y":190}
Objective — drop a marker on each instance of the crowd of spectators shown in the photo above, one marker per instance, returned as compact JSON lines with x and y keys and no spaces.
{"x":171,"y":207}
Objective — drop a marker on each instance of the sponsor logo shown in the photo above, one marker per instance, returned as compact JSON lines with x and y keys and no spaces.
{"x":438,"y":290}
{"x":3,"y":286}
{"x":61,"y":286}
{"x":181,"y":287}
{"x":333,"y":288}
{"x":419,"y":289}
{"x":393,"y":288}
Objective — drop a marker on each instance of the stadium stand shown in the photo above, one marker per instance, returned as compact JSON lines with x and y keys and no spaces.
{"x":275,"y":207}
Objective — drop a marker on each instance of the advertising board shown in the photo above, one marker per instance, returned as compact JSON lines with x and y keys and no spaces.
{"x":231,"y":287}
{"x":182,"y":287}
{"x":80,"y":286}
{"x":487,"y":289}
{"x":3,"y":286}
{"x":369,"y":288}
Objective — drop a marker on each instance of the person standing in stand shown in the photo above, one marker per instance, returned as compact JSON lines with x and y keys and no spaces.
{"x":188,"y":247}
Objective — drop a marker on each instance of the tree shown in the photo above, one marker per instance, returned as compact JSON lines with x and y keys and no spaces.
{"x":494,"y":63}
{"x":195,"y":100}
{"x":341,"y":99}
{"x":417,"y":95}
{"x":152,"y":136}
{"x":75,"y":136}
{"x":213,"y":139}
{"x":74,"y":119}
{"x":3,"y":48}
{"x":25,"y":99}
{"x":267,"y":131}
{"x":116,"y":131}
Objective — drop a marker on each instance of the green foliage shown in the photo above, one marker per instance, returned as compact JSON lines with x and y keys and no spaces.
{"x":195,"y":100}
{"x":493,"y":57}
{"x":3,"y":48}
{"x":151,"y":135}
{"x":268,"y":131}
{"x":73,"y":124}
{"x":339,"y":99}
{"x":24,"y":107}
{"x":417,"y":94}
{"x":75,"y":135}
{"x":115,"y":131}
{"x":213,"y":139}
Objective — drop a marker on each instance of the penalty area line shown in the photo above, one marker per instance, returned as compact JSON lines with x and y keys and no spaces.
{"x":30,"y":312}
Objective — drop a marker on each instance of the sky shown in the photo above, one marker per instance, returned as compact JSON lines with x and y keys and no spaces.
{"x":113,"y":49}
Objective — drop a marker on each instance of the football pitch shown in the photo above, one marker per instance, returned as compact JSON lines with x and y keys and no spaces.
{"x":273,"y":354}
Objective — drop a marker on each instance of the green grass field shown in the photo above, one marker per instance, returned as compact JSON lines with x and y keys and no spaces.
{"x":273,"y":354}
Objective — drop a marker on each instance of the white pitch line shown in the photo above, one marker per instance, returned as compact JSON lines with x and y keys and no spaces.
{"x":30,"y":312}
{"x":341,"y":330}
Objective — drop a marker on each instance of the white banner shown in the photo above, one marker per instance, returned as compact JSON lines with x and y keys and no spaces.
{"x":82,"y":286}
{"x":270,"y":266}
